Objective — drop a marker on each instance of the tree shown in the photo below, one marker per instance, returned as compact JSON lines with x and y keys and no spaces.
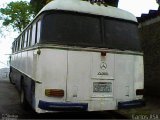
{"x":17,"y":14}
{"x":38,"y":5}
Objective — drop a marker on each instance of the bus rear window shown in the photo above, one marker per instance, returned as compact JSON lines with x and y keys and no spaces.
{"x":121,"y":35}
{"x":72,"y":29}
{"x":84,"y":30}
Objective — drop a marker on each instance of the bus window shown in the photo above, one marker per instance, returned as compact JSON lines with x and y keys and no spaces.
{"x":33,"y":36}
{"x":38,"y":31}
{"x":22,"y":41}
{"x":29,"y":36}
{"x":121,"y":35}
{"x":25,"y":39}
{"x":72,"y":29}
{"x":15,"y":48}
{"x":19,"y":43}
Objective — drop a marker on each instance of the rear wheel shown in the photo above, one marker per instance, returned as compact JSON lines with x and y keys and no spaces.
{"x":23,"y":100}
{"x":11,"y":80}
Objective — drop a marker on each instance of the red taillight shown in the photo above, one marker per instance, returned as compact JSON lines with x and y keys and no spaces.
{"x":140,"y":92}
{"x":54,"y":92}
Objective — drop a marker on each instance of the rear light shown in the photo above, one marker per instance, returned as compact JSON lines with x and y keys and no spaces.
{"x":140,"y":92}
{"x":54,"y":92}
{"x":103,"y":53}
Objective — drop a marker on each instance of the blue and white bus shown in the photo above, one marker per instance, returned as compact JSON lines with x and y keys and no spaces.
{"x":79,"y":56}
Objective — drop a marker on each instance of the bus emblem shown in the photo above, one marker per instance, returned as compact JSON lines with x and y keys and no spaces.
{"x":103,"y":66}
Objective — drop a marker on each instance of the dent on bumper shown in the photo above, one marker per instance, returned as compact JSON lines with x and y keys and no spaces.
{"x":62,"y":106}
{"x":131,"y":104}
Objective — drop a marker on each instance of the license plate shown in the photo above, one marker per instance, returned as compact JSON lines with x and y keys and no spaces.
{"x":102,"y":87}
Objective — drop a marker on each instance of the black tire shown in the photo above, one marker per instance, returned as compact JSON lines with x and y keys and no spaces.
{"x":11,"y":80}
{"x":23,"y":100}
{"x":24,"y":103}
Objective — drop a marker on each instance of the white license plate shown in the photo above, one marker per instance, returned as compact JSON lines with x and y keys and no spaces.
{"x":102,"y":87}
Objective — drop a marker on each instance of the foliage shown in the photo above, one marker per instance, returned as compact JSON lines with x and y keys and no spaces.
{"x":104,"y":2}
{"x":47,"y":1}
{"x":17,"y":14}
{"x":38,"y":5}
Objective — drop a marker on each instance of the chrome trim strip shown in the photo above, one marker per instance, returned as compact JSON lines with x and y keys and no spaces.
{"x":75,"y":48}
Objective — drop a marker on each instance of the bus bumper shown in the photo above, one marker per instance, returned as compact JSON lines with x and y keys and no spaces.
{"x":62,"y":106}
{"x":131,"y":104}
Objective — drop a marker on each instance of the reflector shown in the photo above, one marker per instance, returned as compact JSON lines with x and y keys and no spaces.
{"x":139,"y":91}
{"x":54,"y":92}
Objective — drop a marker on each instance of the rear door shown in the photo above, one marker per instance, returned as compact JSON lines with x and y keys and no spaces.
{"x":78,"y":81}
{"x":90,"y":75}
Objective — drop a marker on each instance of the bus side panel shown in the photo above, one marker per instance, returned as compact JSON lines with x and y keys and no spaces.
{"x":16,"y":61}
{"x":51,"y":73}
{"x":24,"y":62}
{"x":30,"y":66}
{"x":22,"y":73}
{"x":15,"y":73}
{"x":138,"y":75}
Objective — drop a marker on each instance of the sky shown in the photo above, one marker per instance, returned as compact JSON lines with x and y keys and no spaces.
{"x":136,"y":7}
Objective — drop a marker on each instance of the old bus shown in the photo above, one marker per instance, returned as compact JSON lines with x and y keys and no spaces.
{"x":79,"y":56}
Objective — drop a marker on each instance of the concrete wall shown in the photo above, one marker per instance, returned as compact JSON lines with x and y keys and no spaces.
{"x":150,"y":34}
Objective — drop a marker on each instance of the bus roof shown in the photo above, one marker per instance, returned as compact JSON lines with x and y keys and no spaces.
{"x":86,"y":7}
